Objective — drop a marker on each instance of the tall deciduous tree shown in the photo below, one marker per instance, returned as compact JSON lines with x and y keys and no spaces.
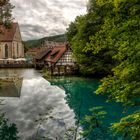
{"x":80,"y":34}
{"x":6,"y":12}
{"x":124,"y":85}
{"x":108,"y":38}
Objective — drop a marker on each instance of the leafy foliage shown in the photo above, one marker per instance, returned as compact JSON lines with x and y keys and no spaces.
{"x":93,"y":123}
{"x":128,"y":126}
{"x":6,"y":12}
{"x":111,"y":44}
{"x":82,"y":35}
{"x":124,"y":85}
{"x":8,"y":131}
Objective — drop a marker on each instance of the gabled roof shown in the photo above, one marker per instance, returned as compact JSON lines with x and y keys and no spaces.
{"x":42,"y":53}
{"x":56,"y":53}
{"x":52,"y":54}
{"x":7,"y":34}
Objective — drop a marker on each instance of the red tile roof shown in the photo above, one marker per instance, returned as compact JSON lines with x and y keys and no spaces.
{"x":56,"y":53}
{"x":7,"y":34}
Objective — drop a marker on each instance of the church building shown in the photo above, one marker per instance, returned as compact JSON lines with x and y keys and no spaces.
{"x":11,"y":45}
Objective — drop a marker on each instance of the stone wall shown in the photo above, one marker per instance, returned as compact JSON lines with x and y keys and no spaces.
{"x":15,"y":47}
{"x":2,"y":49}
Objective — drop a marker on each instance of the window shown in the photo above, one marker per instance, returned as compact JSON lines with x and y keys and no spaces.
{"x":17,"y":50}
{"x":6,"y":51}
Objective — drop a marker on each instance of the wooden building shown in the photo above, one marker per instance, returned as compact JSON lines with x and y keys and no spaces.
{"x":58,"y":59}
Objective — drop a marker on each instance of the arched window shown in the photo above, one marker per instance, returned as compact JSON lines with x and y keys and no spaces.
{"x":17,"y":50}
{"x":6,"y":51}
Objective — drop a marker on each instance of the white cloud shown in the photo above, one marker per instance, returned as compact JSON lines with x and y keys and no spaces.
{"x":42,"y":18}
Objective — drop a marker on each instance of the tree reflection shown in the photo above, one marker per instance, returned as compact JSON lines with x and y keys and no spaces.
{"x":8,"y":131}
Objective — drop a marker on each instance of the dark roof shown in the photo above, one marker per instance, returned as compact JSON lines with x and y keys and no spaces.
{"x":52,"y":54}
{"x":42,"y":53}
{"x":7,"y":34}
{"x":56,"y":53}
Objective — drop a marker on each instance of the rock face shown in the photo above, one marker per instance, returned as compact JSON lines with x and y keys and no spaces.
{"x":10,"y":87}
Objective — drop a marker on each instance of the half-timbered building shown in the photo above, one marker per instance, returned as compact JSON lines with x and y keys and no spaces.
{"x":59,"y":59}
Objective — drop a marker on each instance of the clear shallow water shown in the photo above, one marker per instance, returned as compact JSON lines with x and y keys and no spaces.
{"x":41,"y":110}
{"x":81,"y":97}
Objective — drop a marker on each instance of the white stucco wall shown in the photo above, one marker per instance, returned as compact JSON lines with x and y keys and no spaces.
{"x":66,"y":59}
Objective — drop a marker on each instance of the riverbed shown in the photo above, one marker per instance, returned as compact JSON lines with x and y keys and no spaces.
{"x":49,"y":108}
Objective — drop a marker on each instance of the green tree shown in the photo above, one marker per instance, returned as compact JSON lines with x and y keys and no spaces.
{"x":71,"y":31}
{"x":124,"y":85}
{"x":93,"y":124}
{"x":107,"y":39}
{"x":6,"y":12}
{"x":85,"y":35}
{"x":128,"y":126}
{"x":8,"y":131}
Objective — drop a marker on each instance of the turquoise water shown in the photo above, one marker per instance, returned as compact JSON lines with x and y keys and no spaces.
{"x":51,"y":109}
{"x":81,"y":97}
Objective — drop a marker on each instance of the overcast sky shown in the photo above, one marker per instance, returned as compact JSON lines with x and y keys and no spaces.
{"x":40,"y":18}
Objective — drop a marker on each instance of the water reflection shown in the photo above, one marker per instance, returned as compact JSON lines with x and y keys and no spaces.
{"x":81,"y":97}
{"x":38,"y":100}
{"x":8,"y":89}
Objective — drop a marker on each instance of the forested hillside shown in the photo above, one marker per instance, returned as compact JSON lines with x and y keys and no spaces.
{"x":37,"y":43}
{"x":107,"y":41}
